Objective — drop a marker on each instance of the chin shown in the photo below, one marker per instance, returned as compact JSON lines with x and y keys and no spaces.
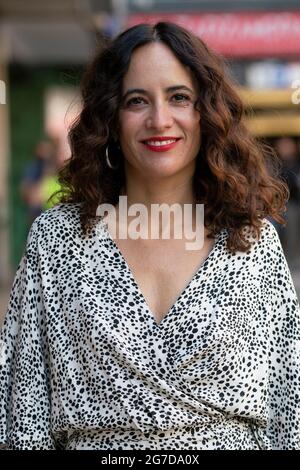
{"x":163,"y":171}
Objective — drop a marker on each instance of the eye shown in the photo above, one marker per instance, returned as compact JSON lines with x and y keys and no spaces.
{"x":181,"y":97}
{"x":135,"y":101}
{"x":138,"y":100}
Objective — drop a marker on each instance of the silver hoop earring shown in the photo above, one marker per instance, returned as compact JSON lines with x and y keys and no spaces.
{"x":108,"y":161}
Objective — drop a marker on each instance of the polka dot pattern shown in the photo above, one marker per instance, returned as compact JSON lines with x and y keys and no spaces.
{"x":84,"y":365}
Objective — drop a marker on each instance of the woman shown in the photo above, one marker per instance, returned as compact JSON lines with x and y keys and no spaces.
{"x":120,"y":343}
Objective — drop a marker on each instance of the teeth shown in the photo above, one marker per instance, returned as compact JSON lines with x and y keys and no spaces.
{"x":158,"y":143}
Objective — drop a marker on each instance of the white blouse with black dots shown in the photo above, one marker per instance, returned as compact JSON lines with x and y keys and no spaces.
{"x":84,"y":365}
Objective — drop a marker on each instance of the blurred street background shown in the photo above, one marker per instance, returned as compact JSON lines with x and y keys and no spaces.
{"x":44,"y":48}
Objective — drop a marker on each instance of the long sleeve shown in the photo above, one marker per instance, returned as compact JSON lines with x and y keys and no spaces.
{"x":24,"y":361}
{"x":284,"y":356}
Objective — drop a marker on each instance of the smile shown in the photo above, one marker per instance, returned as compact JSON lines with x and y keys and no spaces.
{"x":161,"y":145}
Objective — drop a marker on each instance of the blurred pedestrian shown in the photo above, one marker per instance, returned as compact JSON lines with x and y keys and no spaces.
{"x":49,"y":182}
{"x":30,"y":186}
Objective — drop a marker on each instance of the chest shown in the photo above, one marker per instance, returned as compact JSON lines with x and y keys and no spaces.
{"x":162,"y":269}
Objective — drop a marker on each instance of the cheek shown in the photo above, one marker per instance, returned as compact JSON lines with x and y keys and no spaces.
{"x":128,"y":125}
{"x":193,"y":127}
{"x":193,"y":131}
{"x":189,"y":119}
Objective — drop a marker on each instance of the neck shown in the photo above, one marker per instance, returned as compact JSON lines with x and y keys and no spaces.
{"x":178,"y":189}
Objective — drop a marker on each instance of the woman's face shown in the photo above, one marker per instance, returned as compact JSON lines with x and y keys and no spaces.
{"x":159,"y":128}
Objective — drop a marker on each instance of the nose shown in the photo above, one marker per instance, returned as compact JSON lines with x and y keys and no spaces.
{"x":160,"y":117}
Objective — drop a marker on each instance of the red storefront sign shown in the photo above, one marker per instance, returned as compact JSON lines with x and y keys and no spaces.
{"x":238,"y":34}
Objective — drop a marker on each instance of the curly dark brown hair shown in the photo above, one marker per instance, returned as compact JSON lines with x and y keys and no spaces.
{"x":236,"y":178}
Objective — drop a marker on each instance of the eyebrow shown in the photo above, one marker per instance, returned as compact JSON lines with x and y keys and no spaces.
{"x":144,"y":92}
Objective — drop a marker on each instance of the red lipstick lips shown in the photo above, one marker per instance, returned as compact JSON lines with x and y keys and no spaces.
{"x":151,"y":144}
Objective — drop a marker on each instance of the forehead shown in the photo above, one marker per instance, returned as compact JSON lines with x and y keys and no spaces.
{"x":155,"y":64}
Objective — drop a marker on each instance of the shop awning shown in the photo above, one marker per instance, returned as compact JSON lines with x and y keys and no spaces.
{"x":260,"y":34}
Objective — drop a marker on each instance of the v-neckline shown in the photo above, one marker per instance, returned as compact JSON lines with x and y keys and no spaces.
{"x":137,"y":287}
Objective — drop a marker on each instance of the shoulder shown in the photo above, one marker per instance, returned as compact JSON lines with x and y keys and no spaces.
{"x":269,"y":238}
{"x":268,"y":235}
{"x":269,"y":232}
{"x":266,"y":250}
{"x":56,"y":223}
{"x":67,"y":214}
